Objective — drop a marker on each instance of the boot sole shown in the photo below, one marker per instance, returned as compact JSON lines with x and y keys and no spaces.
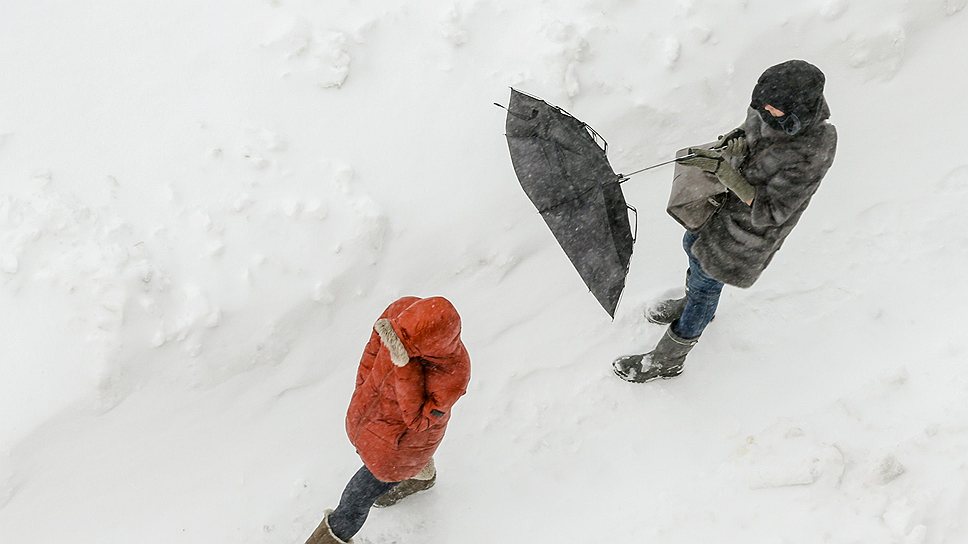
{"x":659,"y":377}
{"x":626,"y":378}
{"x":658,"y":322}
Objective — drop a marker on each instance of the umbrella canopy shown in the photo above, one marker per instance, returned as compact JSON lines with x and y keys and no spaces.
{"x":565,"y":173}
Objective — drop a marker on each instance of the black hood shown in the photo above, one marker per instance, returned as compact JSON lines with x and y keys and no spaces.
{"x":796,"y":88}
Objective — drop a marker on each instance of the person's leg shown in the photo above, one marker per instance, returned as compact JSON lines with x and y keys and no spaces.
{"x":702,"y":296}
{"x":665,"y":312}
{"x":354,"y":505}
{"x":688,"y":239}
{"x":666,"y":360}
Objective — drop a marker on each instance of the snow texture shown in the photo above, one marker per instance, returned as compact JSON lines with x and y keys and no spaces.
{"x":204,"y":206}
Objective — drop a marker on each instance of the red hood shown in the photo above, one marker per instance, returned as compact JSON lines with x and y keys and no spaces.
{"x":429,"y":328}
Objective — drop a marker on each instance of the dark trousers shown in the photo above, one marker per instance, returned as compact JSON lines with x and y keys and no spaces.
{"x":702,"y":298}
{"x":354,"y":506}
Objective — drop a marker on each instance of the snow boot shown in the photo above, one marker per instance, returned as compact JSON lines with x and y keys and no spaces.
{"x":665,"y":312}
{"x":324,"y":535}
{"x":665,"y":361}
{"x":403,"y":490}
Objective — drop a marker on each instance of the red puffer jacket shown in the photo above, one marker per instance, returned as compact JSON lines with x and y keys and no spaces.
{"x":413,"y":370}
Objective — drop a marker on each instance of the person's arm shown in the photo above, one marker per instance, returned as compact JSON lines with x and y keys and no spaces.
{"x":778,"y":199}
{"x":786,"y":180}
{"x":369,"y":356}
{"x":426,"y":395}
{"x":714,"y":162}
{"x":444,"y":387}
{"x":411,"y":392}
{"x":735,"y":182}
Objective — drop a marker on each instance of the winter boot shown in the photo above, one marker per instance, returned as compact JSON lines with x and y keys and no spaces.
{"x":420,"y":482}
{"x":323,"y":534}
{"x":667,"y":311}
{"x":665,"y":361}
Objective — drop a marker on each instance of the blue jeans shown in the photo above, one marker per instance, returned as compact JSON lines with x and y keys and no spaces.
{"x":701,"y":299}
{"x":354,"y":506}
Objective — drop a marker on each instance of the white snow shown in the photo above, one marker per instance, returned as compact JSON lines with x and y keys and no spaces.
{"x":205,"y":205}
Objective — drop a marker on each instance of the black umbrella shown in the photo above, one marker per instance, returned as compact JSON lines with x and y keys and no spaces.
{"x":564,"y":171}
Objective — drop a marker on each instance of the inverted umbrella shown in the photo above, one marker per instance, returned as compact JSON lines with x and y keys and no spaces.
{"x":564,"y":171}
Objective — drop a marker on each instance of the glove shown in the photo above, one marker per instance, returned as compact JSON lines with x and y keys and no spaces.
{"x":707,"y":160}
{"x":725,"y":139}
{"x":713,"y":161}
{"x":736,"y":148}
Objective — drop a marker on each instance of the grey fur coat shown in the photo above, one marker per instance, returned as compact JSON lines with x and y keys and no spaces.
{"x":739,"y":241}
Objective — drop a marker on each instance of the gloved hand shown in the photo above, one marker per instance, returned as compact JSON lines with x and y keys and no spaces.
{"x":705,"y":159}
{"x":713,"y":161}
{"x":731,"y":135}
{"x":736,"y":148}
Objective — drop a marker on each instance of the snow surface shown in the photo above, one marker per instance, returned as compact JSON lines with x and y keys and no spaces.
{"x":205,"y":205}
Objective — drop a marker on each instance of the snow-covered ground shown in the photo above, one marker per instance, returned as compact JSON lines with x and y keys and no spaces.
{"x":205,"y":205}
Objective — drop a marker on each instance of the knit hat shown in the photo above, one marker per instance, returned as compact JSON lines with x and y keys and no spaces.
{"x":795,"y":87}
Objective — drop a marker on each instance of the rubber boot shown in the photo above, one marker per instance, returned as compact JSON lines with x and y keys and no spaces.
{"x":666,"y":312}
{"x":324,"y":535}
{"x":665,"y":361}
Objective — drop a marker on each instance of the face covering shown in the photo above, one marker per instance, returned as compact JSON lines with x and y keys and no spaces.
{"x":796,"y":88}
{"x":789,"y":124}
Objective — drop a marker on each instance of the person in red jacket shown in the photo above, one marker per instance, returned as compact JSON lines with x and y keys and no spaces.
{"x":412,"y":372}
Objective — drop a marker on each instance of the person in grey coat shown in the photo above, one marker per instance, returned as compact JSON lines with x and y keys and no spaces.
{"x":771,"y":165}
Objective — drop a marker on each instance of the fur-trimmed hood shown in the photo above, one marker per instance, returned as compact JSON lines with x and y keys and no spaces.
{"x":429,"y":328}
{"x":398,"y":353}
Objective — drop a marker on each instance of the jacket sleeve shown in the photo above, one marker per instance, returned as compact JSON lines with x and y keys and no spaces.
{"x":781,"y":196}
{"x":787,"y":177}
{"x":411,"y":392}
{"x":444,"y":388}
{"x":438,"y":389}
{"x":369,"y":356}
